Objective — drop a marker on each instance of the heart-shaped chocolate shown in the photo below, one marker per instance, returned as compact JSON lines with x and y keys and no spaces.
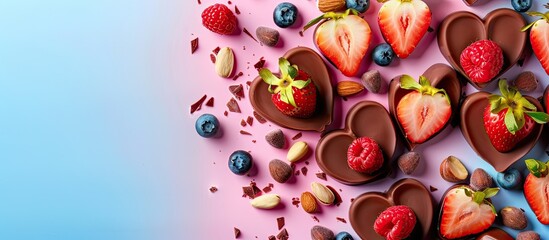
{"x":546,"y":99}
{"x":310,"y":62}
{"x":365,"y":119}
{"x":409,"y":192}
{"x":441,"y":76}
{"x":495,"y":233}
{"x":472,"y":127}
{"x":458,"y":30}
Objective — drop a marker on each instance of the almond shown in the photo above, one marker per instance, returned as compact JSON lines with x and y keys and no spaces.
{"x":331,"y":5}
{"x":480,"y":180}
{"x":528,"y":235}
{"x":321,"y":233}
{"x":348,"y":88}
{"x":452,"y":170}
{"x":322,"y":193}
{"x":280,"y":170}
{"x":408,"y":162}
{"x":266,"y":201}
{"x":308,"y":202}
{"x":224,"y":62}
{"x":526,"y":82}
{"x":297,"y":151}
{"x":514,"y":218}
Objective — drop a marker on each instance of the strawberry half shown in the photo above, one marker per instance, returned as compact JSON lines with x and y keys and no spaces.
{"x":343,"y":38}
{"x":423,"y":112}
{"x":466,"y":212}
{"x":509,"y":118}
{"x":536,"y":189}
{"x":539,"y":38}
{"x":295,"y":94}
{"x":403,"y":23}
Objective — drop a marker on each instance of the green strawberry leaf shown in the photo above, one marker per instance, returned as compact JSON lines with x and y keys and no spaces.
{"x":478,"y":197}
{"x":423,"y":81}
{"x":290,"y":95}
{"x":491,"y":206}
{"x":523,"y":102}
{"x":269,"y":78}
{"x":539,"y":117}
{"x":495,"y":103}
{"x":467,"y":192}
{"x":284,"y":66}
{"x":511,"y":122}
{"x":409,"y":83}
{"x":300,"y":84}
{"x":503,"y":87}
{"x":490,"y":192}
{"x":537,"y":168}
{"x":292,"y":71}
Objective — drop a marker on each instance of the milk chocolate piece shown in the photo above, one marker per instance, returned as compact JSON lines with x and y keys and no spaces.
{"x":366,"y":208}
{"x":310,"y":62}
{"x":441,"y":76}
{"x":458,"y":30}
{"x":472,"y":127}
{"x":365,"y":119}
{"x":495,"y":234}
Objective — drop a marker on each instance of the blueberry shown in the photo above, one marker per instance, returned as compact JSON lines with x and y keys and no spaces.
{"x":521,"y":5}
{"x":285,"y":14}
{"x":359,"y":5}
{"x":344,"y":236}
{"x":240,"y":162}
{"x":383,"y":54}
{"x":510,"y":179}
{"x":207,"y":125}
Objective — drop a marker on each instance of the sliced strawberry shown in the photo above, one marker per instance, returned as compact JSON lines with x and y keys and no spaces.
{"x":465,"y":212}
{"x":343,"y":39}
{"x":403,"y":23}
{"x":424,"y":112}
{"x":539,"y":38}
{"x":536,"y":190}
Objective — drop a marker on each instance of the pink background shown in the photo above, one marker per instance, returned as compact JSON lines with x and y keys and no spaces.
{"x":221,"y":211}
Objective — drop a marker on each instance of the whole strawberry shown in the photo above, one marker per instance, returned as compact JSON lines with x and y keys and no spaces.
{"x":536,"y":188}
{"x":295,"y":93}
{"x":509,"y":118}
{"x":482,"y":61}
{"x":218,"y":18}
{"x":538,"y":37}
{"x":364,"y":155}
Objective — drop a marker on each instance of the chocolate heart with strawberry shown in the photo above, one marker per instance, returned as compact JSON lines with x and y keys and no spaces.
{"x":423,"y":112}
{"x":465,"y":212}
{"x":536,"y":189}
{"x":403,"y":24}
{"x":539,"y":30}
{"x":294,"y":94}
{"x":343,"y":38}
{"x":510,"y":117}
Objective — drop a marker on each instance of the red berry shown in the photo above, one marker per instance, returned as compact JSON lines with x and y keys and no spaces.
{"x":364,"y":155}
{"x":500,"y":137}
{"x":395,"y":223}
{"x":218,"y":18}
{"x":482,"y":60}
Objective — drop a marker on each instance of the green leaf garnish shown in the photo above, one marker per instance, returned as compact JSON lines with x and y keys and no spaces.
{"x":424,"y":86}
{"x":537,"y":168}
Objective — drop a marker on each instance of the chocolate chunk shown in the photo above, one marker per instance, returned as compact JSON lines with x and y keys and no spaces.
{"x":236,"y":232}
{"x":259,"y":64}
{"x":210,"y":102}
{"x":297,"y":173}
{"x":216,"y":50}
{"x":213,"y":189}
{"x":259,"y":118}
{"x":194,"y":45}
{"x":233,"y":105}
{"x":283,"y":235}
{"x":213,"y":58}
{"x":321,"y":176}
{"x":250,"y":120}
{"x":267,"y":189}
{"x":236,"y":90}
{"x":341,"y":219}
{"x":236,"y":10}
{"x":304,"y":170}
{"x":242,"y":123}
{"x":315,"y":219}
{"x":198,"y":104}
{"x":432,"y":189}
{"x":295,"y":202}
{"x":249,"y":34}
{"x":245,"y":133}
{"x":239,"y":74}
{"x":199,"y":2}
{"x":272,"y":237}
{"x":280,"y":222}
{"x":248,"y":191}
{"x":301,"y":33}
{"x":297,"y":136}
{"x":225,"y":113}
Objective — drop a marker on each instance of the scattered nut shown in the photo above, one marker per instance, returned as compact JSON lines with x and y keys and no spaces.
{"x":373,"y":82}
{"x":280,"y":170}
{"x":452,"y":170}
{"x":266,"y":201}
{"x":267,"y":36}
{"x":348,"y":88}
{"x":331,"y":5}
{"x":276,"y":138}
{"x":480,"y":180}
{"x":526,"y":82}
{"x":408,"y":162}
{"x":224,"y":62}
{"x":514,"y":218}
{"x":297,"y":151}
{"x":528,"y":235}
{"x":322,"y":193}
{"x":321,"y":233}
{"x":308,"y":202}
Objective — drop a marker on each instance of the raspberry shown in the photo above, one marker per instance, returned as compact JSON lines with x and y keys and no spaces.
{"x":482,"y":60}
{"x":218,"y":18}
{"x":364,"y":155}
{"x":395,"y":223}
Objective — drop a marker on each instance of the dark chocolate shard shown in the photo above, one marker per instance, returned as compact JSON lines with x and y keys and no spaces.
{"x":198,"y":104}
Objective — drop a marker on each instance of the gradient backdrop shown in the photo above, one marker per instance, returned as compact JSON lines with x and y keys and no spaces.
{"x":96,"y":139}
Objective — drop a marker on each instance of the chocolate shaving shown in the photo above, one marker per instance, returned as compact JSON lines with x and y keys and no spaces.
{"x":337,"y":200}
{"x":226,"y":113}
{"x":344,"y":98}
{"x":280,"y":222}
{"x":304,"y":170}
{"x":243,"y":123}
{"x":432,"y":189}
{"x":321,"y":176}
{"x":352,"y":199}
{"x":239,"y":74}
{"x":236,"y":10}
{"x":341,"y":219}
{"x":430,"y":29}
{"x":520,"y":62}
{"x":249,"y":83}
{"x":295,"y":202}
{"x":297,"y":173}
{"x":212,"y":58}
{"x":315,"y":219}
{"x":210,"y":102}
{"x":213,"y":189}
{"x":283,"y":235}
{"x":257,"y":191}
{"x":306,"y":162}
{"x":259,"y":118}
{"x":249,"y":34}
{"x":546,"y":5}
{"x":272,"y":237}
{"x":216,"y":50}
{"x":199,"y":2}
{"x":237,"y":91}
{"x":297,"y":136}
{"x":198,"y":104}
{"x":250,"y":120}
{"x":259,"y":64}
{"x":245,"y":133}
{"x":254,"y":141}
{"x":236,"y":232}
{"x":301,"y":33}
{"x":248,"y":192}
{"x":267,"y":189}
{"x":233,"y":106}
{"x":194,"y":45}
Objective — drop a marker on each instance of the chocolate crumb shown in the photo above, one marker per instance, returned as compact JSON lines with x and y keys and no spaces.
{"x":259,"y":64}
{"x":233,"y":106}
{"x":352,"y":199}
{"x":315,"y":219}
{"x":250,"y":120}
{"x":259,"y":118}
{"x":322,"y":176}
{"x":236,"y":10}
{"x":306,"y":162}
{"x":236,"y":232}
{"x":430,"y":29}
{"x":546,"y":5}
{"x":297,"y":173}
{"x":194,"y":45}
{"x":254,"y":141}
{"x":267,"y":189}
{"x":341,"y":219}
{"x":283,"y":235}
{"x":295,"y":202}
{"x":249,"y":34}
{"x":248,"y":192}
{"x":226,"y":113}
{"x":199,"y":2}
{"x":229,"y":2}
{"x":248,"y":83}
{"x":301,"y":33}
{"x":213,"y":189}
{"x":198,"y":104}
{"x":338,"y":199}
{"x":344,"y":98}
{"x":297,"y":136}
{"x":210,"y":102}
{"x":243,"y":123}
{"x":245,"y":133}
{"x":272,"y":237}
{"x":432,"y":188}
{"x":239,"y":74}
{"x":304,"y":170}
{"x":237,"y":91}
{"x":520,"y":62}
{"x":280,"y":222}
{"x":212,"y":57}
{"x":216,"y":50}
